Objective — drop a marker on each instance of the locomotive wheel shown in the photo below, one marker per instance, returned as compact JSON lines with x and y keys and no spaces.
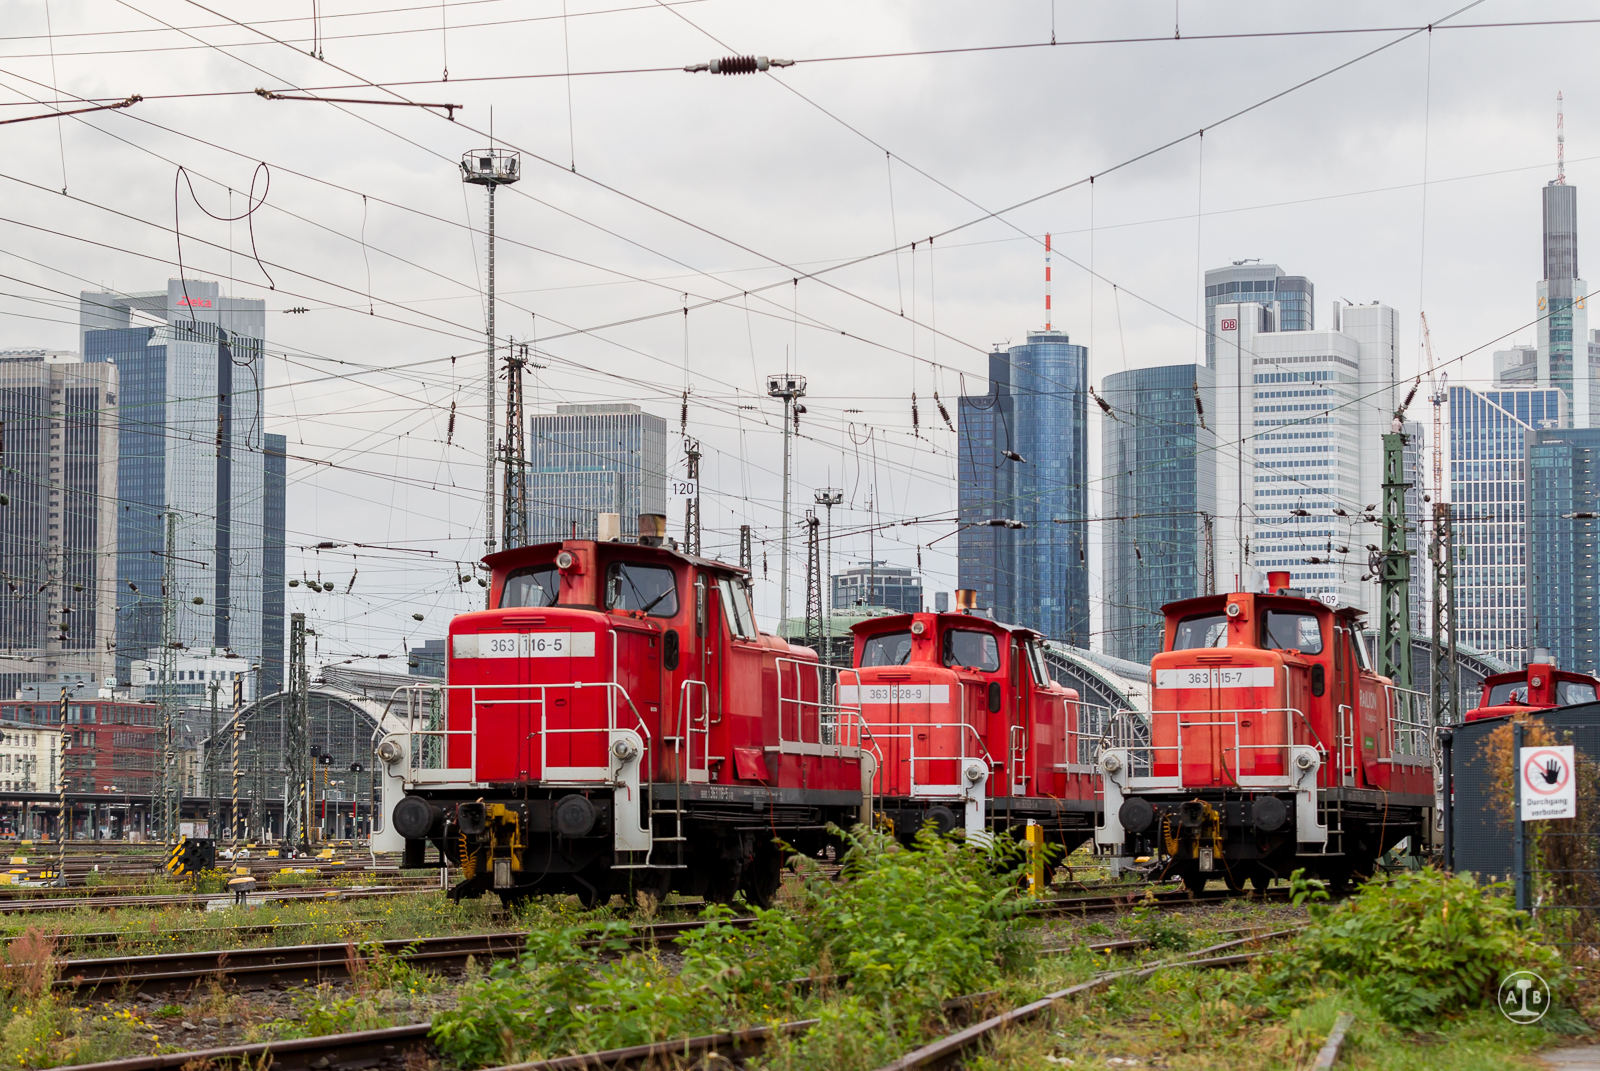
{"x":1261,"y":879}
{"x":761,"y":878}
{"x":1233,"y":877}
{"x":1194,"y":880}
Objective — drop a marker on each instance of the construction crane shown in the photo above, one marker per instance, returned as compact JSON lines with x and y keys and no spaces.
{"x":1438,"y":397}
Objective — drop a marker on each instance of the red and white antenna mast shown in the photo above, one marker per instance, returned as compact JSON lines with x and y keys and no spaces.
{"x":1047,"y":282}
{"x":1561,"y":145}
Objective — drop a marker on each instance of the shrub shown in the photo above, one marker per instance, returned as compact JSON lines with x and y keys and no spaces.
{"x":1415,"y":945}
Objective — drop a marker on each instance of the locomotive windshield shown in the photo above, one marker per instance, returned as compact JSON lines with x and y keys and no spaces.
{"x":1288,"y":631}
{"x":650,"y":589}
{"x":1569,"y":693}
{"x":1509,"y":692}
{"x":539,"y":586}
{"x":886,"y":649}
{"x":1202,"y":630}
{"x":975,"y":650}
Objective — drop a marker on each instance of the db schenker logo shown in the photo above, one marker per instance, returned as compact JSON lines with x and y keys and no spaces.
{"x":1524,"y":997}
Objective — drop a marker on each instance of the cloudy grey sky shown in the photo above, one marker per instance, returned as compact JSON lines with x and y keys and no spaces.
{"x":652,"y":189}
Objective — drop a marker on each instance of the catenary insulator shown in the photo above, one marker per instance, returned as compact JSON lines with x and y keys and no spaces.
{"x":739,"y":65}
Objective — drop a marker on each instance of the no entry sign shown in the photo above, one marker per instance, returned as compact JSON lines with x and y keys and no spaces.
{"x":1549,"y":783}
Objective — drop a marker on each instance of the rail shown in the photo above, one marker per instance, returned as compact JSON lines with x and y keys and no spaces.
{"x":436,"y":736}
{"x":1224,"y":732}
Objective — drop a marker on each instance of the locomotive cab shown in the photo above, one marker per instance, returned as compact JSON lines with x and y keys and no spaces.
{"x":970,"y":730}
{"x":615,"y":722}
{"x":1537,"y":686}
{"x":1271,"y":745}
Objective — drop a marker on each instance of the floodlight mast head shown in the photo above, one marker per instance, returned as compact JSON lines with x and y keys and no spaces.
{"x":787,"y":386}
{"x":829,"y":496}
{"x":491,"y":167}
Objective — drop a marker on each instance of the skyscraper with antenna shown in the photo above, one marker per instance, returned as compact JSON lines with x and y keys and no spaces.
{"x":1565,"y":353}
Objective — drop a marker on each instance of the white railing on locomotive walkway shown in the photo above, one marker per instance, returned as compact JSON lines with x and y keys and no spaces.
{"x":1411,"y":727}
{"x":443,"y":733}
{"x":1224,"y":742}
{"x":811,"y":718}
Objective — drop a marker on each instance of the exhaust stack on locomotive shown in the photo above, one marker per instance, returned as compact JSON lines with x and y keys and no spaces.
{"x":617,"y":722}
{"x":1272,"y":745}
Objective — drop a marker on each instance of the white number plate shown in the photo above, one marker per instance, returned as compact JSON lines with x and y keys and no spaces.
{"x":851,"y":695}
{"x":1219,"y":676}
{"x":524,"y":645}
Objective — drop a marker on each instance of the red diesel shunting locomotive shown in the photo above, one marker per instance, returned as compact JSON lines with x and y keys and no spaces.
{"x":617,"y":722}
{"x":969,"y":729}
{"x":1273,"y":746}
{"x":1539,"y":685}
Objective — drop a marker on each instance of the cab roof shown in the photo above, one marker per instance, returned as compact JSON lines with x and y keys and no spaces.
{"x":895,"y":622}
{"x":545,"y":551}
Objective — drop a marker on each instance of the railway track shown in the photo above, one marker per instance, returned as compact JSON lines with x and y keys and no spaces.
{"x":273,"y":965}
{"x":199,"y":901}
{"x":397,"y":1047}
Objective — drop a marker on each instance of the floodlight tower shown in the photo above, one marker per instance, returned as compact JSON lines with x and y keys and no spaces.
{"x":490,"y":168}
{"x":789,"y":387}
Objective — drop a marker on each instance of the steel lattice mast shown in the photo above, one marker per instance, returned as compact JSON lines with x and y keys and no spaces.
{"x":1446,"y":676}
{"x":514,"y":529}
{"x":814,"y":636}
{"x":1394,"y":560}
{"x":169,"y":790}
{"x":691,"y":503}
{"x":297,"y":740}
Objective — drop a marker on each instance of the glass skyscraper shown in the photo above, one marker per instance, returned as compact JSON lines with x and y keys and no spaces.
{"x":1288,"y":299}
{"x":273,"y":521}
{"x":877,"y":584}
{"x":1563,"y":571}
{"x":1489,"y":432}
{"x":1158,"y":500}
{"x":584,"y":460}
{"x":58,"y":532}
{"x":1036,"y":409}
{"x":190,"y":443}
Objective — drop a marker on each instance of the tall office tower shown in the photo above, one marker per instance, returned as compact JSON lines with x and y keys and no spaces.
{"x":1301,"y":416}
{"x":1288,"y":299}
{"x":877,"y":584}
{"x":1036,"y":411}
{"x":1158,"y":500}
{"x":190,"y":444}
{"x":1565,"y":354}
{"x":274,"y":518}
{"x":1488,"y":495}
{"x":58,"y":534}
{"x":1563,"y":570}
{"x":585,"y":460}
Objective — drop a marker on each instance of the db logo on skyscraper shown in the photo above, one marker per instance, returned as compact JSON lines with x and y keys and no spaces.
{"x":1230,"y":325}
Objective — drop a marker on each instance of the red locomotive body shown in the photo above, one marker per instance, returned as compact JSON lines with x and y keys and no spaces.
{"x":1537,"y":686}
{"x":969,"y":729}
{"x":618,"y":722}
{"x":1272,"y":746}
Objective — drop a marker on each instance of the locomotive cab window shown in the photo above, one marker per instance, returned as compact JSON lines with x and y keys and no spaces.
{"x":975,"y":650}
{"x":1509,"y":692}
{"x":1284,"y":630}
{"x":1036,"y":663}
{"x":736,"y":608}
{"x":538,"y":586}
{"x":886,"y":649}
{"x":1202,"y":630}
{"x":1570,"y":693}
{"x":1361,"y":649}
{"x":650,"y":589}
